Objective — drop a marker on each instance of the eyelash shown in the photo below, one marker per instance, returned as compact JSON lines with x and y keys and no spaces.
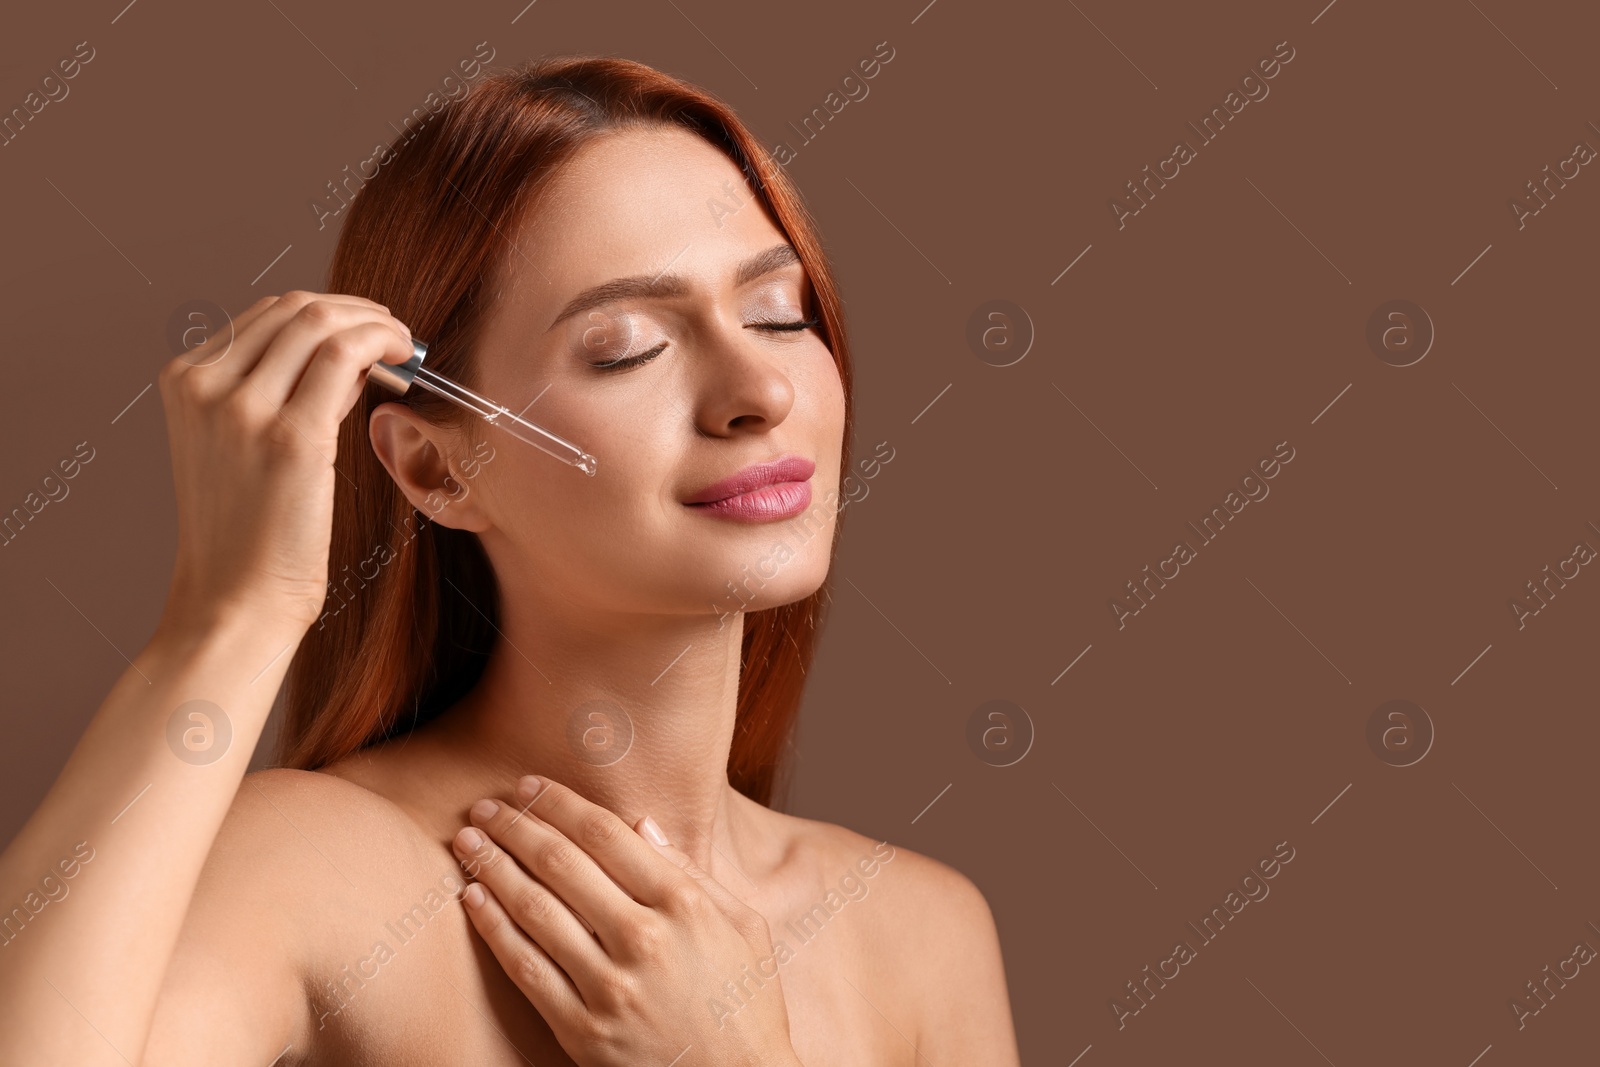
{"x":645,"y":357}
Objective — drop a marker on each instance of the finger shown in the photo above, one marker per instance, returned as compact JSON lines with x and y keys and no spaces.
{"x":304,"y":333}
{"x":541,"y":980}
{"x":202,"y":359}
{"x":338,"y":370}
{"x":565,"y":868}
{"x":632,"y":865}
{"x":537,"y":912}
{"x":230,"y":353}
{"x":725,"y":901}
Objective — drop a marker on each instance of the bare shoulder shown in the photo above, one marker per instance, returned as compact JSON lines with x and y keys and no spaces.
{"x":279,"y":803}
{"x":926,"y":893}
{"x":932,"y":934}
{"x":295,"y":853}
{"x":313,"y":845}
{"x":289,"y":828}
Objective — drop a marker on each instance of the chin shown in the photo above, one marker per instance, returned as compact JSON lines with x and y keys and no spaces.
{"x":779,"y":574}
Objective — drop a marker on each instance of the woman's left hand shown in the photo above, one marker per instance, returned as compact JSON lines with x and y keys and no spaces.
{"x":626,"y":947}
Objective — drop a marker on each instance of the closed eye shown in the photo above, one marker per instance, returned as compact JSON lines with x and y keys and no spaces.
{"x":803,"y":324}
{"x":647,"y":356}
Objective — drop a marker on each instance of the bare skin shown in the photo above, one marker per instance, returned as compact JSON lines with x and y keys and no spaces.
{"x":914,"y":939}
{"x":282,"y":910}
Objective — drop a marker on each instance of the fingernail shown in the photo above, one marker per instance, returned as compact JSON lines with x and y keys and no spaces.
{"x":652,"y":831}
{"x":528,"y":787}
{"x":484,"y":809}
{"x":474,"y":895}
{"x":469,"y":839}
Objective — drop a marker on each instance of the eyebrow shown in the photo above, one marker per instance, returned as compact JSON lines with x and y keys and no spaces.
{"x":666,"y":285}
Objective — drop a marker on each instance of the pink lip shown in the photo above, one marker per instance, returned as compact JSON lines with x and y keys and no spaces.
{"x":761,"y":492}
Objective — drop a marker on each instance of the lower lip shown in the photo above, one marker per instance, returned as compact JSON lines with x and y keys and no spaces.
{"x":781,"y":500}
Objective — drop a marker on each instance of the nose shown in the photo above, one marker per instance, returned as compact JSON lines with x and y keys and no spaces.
{"x":743,"y":384}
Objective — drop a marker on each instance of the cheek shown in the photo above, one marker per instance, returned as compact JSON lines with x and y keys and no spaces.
{"x":826,"y":430}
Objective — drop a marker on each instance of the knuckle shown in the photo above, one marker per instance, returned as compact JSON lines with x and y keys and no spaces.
{"x":752,"y":925}
{"x":534,"y":904}
{"x":297,"y":298}
{"x":524,"y":971}
{"x":318,"y":313}
{"x":281,"y":434}
{"x":616,"y":990}
{"x":180,"y":378}
{"x":239,"y":404}
{"x":683,"y":898}
{"x":184,"y":391}
{"x":559,"y":857}
{"x":591,"y":1033}
{"x":646,"y":938}
{"x":340,"y":348}
{"x":170,"y":379}
{"x":600,"y":829}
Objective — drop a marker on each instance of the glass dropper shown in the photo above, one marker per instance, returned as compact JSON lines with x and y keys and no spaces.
{"x":400,"y":377}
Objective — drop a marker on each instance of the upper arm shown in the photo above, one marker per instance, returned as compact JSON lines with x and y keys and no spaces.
{"x":232,"y":991}
{"x":966,"y":1008}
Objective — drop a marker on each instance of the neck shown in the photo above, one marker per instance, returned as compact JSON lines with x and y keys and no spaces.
{"x":636,"y":714}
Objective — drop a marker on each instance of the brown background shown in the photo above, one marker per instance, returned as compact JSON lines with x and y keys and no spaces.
{"x":1225,"y":318}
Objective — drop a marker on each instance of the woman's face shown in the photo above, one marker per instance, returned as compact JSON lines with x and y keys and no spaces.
{"x":706,"y":387}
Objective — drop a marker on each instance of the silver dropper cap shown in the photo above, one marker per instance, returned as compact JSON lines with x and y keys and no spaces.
{"x":398,"y":376}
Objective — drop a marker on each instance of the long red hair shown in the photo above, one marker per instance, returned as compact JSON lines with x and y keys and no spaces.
{"x":424,"y":237}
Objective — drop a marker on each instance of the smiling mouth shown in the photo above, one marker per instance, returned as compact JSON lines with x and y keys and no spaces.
{"x":769,"y":503}
{"x":761,"y":492}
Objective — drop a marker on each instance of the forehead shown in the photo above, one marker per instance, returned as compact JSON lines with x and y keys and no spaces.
{"x":639,"y":200}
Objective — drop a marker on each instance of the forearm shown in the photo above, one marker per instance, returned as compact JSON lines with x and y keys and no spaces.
{"x":96,"y":885}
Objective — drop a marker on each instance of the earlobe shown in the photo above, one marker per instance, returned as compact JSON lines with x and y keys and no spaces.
{"x":412,"y":450}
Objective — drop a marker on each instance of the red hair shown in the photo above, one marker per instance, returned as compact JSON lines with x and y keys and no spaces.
{"x":425,"y":237}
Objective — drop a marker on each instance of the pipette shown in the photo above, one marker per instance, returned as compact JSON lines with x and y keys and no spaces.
{"x":399,"y":377}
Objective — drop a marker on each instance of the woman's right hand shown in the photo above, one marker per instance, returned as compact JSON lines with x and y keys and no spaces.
{"x":253,"y":420}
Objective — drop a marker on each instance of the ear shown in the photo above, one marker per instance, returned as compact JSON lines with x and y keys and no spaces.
{"x":418,"y":456}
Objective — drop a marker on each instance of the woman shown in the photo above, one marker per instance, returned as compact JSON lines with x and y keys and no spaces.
{"x":402,"y":891}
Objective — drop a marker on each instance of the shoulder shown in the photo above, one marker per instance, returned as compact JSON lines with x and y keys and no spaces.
{"x":918,"y":894}
{"x":933,"y":935}
{"x":926,"y":892}
{"x":289,"y":828}
{"x":296,"y":852}
{"x":290,"y":841}
{"x":312,"y":846}
{"x":286,"y":810}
